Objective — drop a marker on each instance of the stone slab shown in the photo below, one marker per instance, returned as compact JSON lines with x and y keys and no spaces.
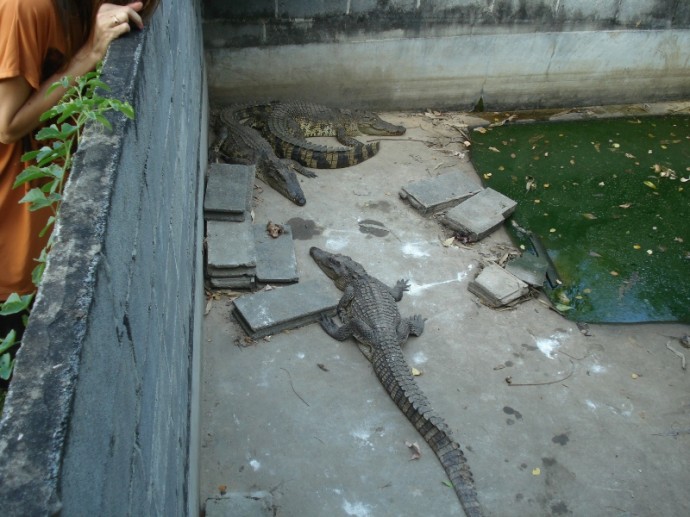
{"x":479,"y":215}
{"x":497,"y":287}
{"x":269,"y":312}
{"x":253,"y":504}
{"x":529,"y":268}
{"x":439,"y":193}
{"x":230,"y":245}
{"x":275,"y":257}
{"x":229,"y":191}
{"x":233,"y":282}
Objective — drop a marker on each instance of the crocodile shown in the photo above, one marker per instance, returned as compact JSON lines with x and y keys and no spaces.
{"x":238,"y":143}
{"x":369,"y":313}
{"x":287,"y":125}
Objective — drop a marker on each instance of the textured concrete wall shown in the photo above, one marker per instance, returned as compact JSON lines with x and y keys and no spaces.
{"x":449,"y":53}
{"x":101,"y":417}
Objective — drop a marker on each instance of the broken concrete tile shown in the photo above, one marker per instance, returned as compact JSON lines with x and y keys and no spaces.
{"x":252,"y":504}
{"x":269,"y":312}
{"x":230,"y":246}
{"x":497,"y":287}
{"x":529,"y":268}
{"x":229,"y":190}
{"x":479,"y":215}
{"x":443,"y":191}
{"x":275,"y":257}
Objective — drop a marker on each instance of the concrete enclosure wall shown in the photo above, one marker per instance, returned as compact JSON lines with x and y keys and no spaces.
{"x":449,"y":53}
{"x":100,"y":418}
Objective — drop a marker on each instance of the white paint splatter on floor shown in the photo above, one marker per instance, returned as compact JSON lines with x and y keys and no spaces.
{"x":549,"y":345}
{"x":419,"y":358}
{"x":363,"y":435}
{"x":415,"y":288}
{"x":255,"y":465}
{"x":356,"y":509}
{"x":415,"y":249}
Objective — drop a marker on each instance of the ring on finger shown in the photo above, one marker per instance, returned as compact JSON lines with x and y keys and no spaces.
{"x":116,"y":20}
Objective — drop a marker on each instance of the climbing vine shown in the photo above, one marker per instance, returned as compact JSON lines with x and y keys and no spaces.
{"x":81,"y":104}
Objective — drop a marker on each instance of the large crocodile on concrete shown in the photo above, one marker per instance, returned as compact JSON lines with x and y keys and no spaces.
{"x":287,"y":125}
{"x":238,"y":143}
{"x":369,"y":312}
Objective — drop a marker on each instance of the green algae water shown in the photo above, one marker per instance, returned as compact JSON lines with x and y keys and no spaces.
{"x":609,"y":200}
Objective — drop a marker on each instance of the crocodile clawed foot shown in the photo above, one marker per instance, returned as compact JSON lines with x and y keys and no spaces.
{"x":417,"y":325}
{"x":327,"y":324}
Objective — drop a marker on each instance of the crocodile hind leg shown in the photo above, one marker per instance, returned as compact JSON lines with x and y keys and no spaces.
{"x":413,"y":325}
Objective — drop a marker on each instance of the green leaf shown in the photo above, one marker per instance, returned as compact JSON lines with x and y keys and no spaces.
{"x":15,"y":304}
{"x":101,"y":118}
{"x":6,"y":366}
{"x":8,"y":341}
{"x":49,"y":133}
{"x":37,"y":273}
{"x":49,"y":224}
{"x":126,"y":109}
{"x":30,"y":174}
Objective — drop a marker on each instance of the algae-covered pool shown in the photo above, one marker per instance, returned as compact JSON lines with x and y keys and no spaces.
{"x":609,"y":199}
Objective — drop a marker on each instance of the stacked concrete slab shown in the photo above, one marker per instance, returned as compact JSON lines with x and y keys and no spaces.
{"x":240,"y":253}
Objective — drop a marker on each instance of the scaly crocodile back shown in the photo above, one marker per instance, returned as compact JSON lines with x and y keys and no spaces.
{"x":290,"y":123}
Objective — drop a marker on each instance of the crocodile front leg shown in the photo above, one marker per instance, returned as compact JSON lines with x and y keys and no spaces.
{"x":291,"y":164}
{"x":400,"y":287}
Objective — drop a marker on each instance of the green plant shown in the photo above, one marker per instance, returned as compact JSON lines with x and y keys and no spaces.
{"x":81,"y":104}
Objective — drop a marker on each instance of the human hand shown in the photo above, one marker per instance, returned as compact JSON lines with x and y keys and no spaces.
{"x":112,"y":21}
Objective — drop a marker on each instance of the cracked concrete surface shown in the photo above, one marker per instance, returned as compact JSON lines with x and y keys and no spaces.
{"x":552,"y":421}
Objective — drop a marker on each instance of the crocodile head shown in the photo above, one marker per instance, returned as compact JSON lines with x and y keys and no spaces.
{"x":339,"y":268}
{"x":282,"y":178}
{"x":371,"y":124}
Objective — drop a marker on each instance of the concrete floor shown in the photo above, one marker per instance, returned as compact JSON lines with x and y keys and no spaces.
{"x":591,"y":425}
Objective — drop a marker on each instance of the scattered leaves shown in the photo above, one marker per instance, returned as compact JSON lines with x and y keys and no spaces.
{"x":494,"y":149}
{"x":223,"y":489}
{"x":414,"y":449}
{"x":589,"y":216}
{"x":536,"y":471}
{"x":530,"y":183}
{"x":649,"y":184}
{"x":625,"y":205}
{"x":323,"y":367}
{"x":274,"y":230}
{"x":415,"y":372}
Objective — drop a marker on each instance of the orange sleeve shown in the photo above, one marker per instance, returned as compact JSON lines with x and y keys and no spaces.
{"x":27,"y":29}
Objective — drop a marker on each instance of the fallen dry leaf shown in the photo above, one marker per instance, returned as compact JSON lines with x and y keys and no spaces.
{"x":414,"y":448}
{"x":415,"y":372}
{"x":274,"y":230}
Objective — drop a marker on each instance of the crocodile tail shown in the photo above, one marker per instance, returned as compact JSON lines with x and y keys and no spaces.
{"x":394,"y":373}
{"x":318,"y":156}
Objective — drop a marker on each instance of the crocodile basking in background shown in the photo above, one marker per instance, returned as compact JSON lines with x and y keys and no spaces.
{"x":238,"y":143}
{"x":287,"y":125}
{"x":369,"y":313}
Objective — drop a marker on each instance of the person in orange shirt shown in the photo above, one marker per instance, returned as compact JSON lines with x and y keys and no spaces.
{"x":42,"y":41}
